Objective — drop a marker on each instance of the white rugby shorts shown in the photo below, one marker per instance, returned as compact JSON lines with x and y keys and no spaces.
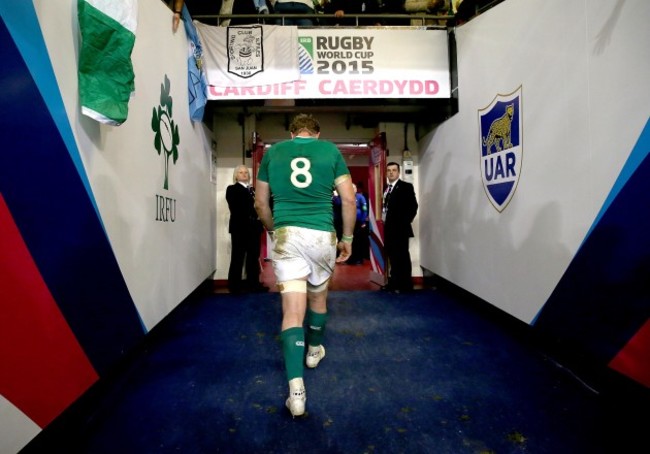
{"x":300,"y":252}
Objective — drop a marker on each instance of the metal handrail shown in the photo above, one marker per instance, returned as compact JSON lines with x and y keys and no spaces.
{"x":255,"y":18}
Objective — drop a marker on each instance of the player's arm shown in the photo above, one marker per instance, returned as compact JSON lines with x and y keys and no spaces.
{"x":177,"y":7}
{"x":349,"y":215}
{"x":263,"y":204}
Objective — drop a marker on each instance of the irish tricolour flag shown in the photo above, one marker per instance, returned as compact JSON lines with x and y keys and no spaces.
{"x":106,"y":78}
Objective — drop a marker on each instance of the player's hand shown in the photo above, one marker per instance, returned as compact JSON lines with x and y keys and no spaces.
{"x":345,"y":251}
{"x":176,"y":19}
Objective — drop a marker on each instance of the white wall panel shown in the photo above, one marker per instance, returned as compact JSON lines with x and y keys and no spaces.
{"x":162,"y":262}
{"x":576,"y":103}
{"x":16,"y":429}
{"x":619,"y":71}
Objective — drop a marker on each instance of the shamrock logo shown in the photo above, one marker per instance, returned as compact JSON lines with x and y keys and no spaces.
{"x":167,"y":138}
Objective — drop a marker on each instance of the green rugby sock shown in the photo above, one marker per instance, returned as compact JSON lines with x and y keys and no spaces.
{"x":315,"y":327}
{"x":293,"y":348}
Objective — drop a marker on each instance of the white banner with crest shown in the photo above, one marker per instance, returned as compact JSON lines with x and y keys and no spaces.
{"x":350,"y":63}
{"x":249,"y":55}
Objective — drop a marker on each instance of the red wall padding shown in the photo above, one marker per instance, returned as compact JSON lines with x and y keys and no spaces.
{"x":42,"y":367}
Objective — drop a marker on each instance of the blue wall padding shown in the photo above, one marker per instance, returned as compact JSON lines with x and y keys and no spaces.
{"x":57,"y":218}
{"x":603,"y":299}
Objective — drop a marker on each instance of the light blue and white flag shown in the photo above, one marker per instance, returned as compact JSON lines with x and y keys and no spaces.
{"x":196,"y":80}
{"x":106,"y":78}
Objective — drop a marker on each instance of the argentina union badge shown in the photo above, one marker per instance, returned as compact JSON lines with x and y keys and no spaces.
{"x":245,"y":50}
{"x":501,"y":147}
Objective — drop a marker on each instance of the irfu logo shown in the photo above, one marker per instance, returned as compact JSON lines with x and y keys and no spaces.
{"x":167,"y":138}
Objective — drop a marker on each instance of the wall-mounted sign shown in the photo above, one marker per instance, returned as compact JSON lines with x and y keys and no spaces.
{"x":351,"y":63}
{"x":501,"y":147}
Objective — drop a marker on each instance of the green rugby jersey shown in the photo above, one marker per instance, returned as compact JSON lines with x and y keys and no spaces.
{"x":301,"y":173}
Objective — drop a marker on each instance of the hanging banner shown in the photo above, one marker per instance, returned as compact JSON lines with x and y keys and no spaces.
{"x":249,"y":55}
{"x":359,"y":63}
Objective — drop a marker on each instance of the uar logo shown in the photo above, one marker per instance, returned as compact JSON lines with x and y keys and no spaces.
{"x":501,"y":147}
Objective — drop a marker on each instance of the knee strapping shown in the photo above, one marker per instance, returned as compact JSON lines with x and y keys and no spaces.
{"x":296,"y":285}
{"x":317,"y":288}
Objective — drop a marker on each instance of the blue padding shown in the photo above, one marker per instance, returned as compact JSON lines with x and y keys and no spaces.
{"x":639,"y":153}
{"x":603,"y":299}
{"x":57,"y":219}
{"x":23,"y":25}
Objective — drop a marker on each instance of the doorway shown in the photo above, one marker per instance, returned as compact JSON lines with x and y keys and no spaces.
{"x":350,"y":277}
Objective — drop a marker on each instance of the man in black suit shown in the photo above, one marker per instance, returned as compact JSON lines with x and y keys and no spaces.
{"x":245,"y":232}
{"x":399,"y":210}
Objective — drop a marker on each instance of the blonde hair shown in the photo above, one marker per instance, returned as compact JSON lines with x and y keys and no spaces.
{"x":236,"y":171}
